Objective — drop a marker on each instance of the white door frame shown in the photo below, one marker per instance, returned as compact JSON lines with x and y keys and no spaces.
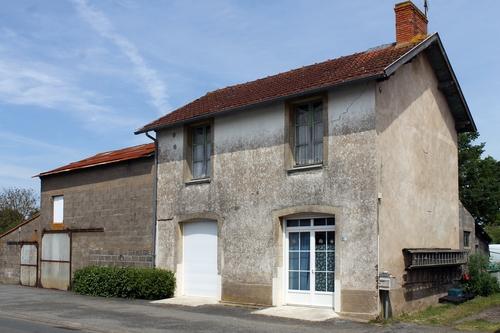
{"x":311,"y":229}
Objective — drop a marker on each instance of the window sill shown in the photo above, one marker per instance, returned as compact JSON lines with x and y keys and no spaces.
{"x":305,"y":168}
{"x":197,"y":181}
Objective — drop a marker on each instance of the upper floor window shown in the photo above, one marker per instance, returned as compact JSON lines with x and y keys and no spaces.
{"x":466,"y":239}
{"x":201,"y":152}
{"x":308,"y":139}
{"x":58,"y":209}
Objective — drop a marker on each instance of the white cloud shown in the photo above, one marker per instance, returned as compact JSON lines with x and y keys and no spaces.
{"x":43,"y":85}
{"x":154,"y":86}
{"x":17,"y":139}
{"x":15,"y":171}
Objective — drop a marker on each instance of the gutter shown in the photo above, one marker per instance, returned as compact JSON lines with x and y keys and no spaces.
{"x":155,"y":198}
{"x":423,"y":45}
{"x":384,"y":74}
{"x":371,"y":77}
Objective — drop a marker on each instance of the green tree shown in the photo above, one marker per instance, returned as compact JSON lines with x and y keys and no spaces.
{"x":479,"y":181}
{"x":16,"y":205}
{"x":9,"y":218}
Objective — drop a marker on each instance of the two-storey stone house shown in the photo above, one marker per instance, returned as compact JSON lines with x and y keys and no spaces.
{"x":303,"y":187}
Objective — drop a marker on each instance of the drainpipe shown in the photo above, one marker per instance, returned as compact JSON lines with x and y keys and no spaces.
{"x":155,"y":199}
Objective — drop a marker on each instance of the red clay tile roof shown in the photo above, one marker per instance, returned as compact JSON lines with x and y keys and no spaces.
{"x":114,"y":156}
{"x":329,"y":73}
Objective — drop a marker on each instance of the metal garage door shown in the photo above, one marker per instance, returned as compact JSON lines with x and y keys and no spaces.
{"x":29,"y":267}
{"x":55,"y":261}
{"x":200,"y":259}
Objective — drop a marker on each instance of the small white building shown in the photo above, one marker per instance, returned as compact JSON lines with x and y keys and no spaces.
{"x":495,"y":253}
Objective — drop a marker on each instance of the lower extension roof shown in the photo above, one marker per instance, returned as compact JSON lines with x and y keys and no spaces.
{"x":373,"y":64}
{"x":114,"y":156}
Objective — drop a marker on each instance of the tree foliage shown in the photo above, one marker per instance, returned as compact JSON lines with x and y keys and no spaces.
{"x":481,"y":282}
{"x":479,"y":181}
{"x":16,"y":205}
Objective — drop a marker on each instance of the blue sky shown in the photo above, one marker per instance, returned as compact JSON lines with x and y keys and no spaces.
{"x":77,"y":77}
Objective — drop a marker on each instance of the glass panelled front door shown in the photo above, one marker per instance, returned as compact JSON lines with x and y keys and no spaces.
{"x":310,"y":261}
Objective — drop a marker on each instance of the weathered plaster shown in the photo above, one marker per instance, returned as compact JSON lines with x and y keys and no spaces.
{"x":250,"y":183}
{"x":417,"y":163}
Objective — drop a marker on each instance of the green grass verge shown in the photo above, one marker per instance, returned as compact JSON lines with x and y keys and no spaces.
{"x":449,"y":314}
{"x":479,"y":325}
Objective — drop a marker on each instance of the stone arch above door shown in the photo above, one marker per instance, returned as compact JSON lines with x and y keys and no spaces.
{"x":278,"y":216}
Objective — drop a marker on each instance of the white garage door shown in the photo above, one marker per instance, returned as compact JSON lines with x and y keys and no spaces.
{"x":200,"y":259}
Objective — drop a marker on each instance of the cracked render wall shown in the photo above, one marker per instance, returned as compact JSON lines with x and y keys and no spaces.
{"x":250,"y":189}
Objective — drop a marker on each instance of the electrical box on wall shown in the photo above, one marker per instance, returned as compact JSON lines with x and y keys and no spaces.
{"x":386,"y":281}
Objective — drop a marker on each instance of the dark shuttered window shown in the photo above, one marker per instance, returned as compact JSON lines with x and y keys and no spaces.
{"x":202,"y":148}
{"x":309,"y":133}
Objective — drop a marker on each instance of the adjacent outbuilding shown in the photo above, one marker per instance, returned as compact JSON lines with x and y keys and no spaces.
{"x":96,"y":211}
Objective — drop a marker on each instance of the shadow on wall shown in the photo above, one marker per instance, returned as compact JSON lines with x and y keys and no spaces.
{"x":425,"y":282}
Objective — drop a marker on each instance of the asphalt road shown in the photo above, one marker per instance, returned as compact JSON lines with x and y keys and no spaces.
{"x":31,"y":310}
{"x":9,"y":325}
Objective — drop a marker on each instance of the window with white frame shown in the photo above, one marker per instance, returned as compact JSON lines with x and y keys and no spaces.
{"x":58,"y":209}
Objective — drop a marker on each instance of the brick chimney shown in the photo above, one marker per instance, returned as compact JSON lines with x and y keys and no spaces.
{"x":411,"y":23}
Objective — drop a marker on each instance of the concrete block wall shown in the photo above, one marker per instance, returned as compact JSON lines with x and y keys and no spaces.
{"x":116,"y":197}
{"x":10,"y":254}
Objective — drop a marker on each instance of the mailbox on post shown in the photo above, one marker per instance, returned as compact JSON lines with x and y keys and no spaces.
{"x":386,"y":281}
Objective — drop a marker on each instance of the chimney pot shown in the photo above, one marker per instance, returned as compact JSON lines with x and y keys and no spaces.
{"x":411,"y":23}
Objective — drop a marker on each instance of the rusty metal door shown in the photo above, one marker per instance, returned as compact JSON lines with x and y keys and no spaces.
{"x":29,"y":265}
{"x":56,"y":260}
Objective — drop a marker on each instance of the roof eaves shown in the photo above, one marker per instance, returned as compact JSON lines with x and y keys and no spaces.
{"x":358,"y":79}
{"x":425,"y":44}
{"x":414,"y":51}
{"x":69,"y":169}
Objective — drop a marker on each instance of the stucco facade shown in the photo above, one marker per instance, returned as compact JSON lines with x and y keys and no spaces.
{"x":389,"y":177}
{"x":418,"y":175}
{"x":251,"y":190}
{"x":479,"y":240}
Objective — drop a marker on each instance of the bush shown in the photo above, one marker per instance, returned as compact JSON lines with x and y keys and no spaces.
{"x":126,"y":282}
{"x":481,"y":282}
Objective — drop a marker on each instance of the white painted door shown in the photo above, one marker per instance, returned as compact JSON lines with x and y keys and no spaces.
{"x":310,"y":261}
{"x":200,"y":259}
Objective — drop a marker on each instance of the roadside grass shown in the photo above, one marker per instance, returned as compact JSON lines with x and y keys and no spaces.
{"x":453,"y":315}
{"x":478,"y":325}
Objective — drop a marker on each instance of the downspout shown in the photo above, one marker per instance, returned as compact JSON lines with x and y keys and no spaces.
{"x":155,"y":199}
